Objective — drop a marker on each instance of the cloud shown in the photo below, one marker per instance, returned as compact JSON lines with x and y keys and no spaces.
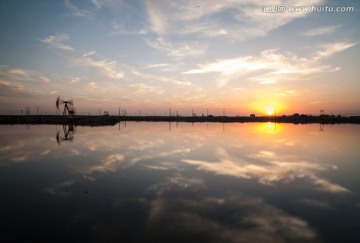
{"x":122,"y":29}
{"x":327,"y":186}
{"x":55,"y":41}
{"x":321,"y":30}
{"x":16,"y":150}
{"x":332,"y":48}
{"x":17,"y":74}
{"x":155,"y":18}
{"x":108,"y":68}
{"x":98,"y":3}
{"x":158,"y":65}
{"x":178,"y":50}
{"x":250,"y":219}
{"x":269,"y":169}
{"x":59,"y":189}
{"x":110,"y":163}
{"x":77,"y":11}
{"x":90,"y":53}
{"x":232,"y":66}
{"x":152,"y":78}
{"x":176,"y":181}
{"x":237,"y":19}
{"x":9,"y":89}
{"x":271,"y":66}
{"x":315,"y":203}
{"x":21,"y":83}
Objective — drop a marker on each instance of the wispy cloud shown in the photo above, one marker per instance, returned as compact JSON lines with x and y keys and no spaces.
{"x":17,"y":74}
{"x":77,"y":11}
{"x":332,"y":48}
{"x":108,"y":68}
{"x":152,"y":78}
{"x":321,"y":30}
{"x":108,"y":164}
{"x":156,"y":20}
{"x":207,"y":18}
{"x":25,"y":86}
{"x":158,"y":65}
{"x":232,"y":66}
{"x":98,"y":3}
{"x":253,"y":220}
{"x":269,"y":169}
{"x":271,"y":66}
{"x":327,"y":186}
{"x":9,"y":89}
{"x":145,"y":89}
{"x":90,"y":53}
{"x":316,"y":203}
{"x":56,"y":41}
{"x":121,"y":29}
{"x":164,"y":67}
{"x":177,"y":50}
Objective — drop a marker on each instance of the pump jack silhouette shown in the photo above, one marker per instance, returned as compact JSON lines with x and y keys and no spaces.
{"x":68,"y":106}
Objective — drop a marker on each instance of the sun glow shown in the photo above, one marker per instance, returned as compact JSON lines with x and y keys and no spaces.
{"x":271,"y":111}
{"x":268,"y":108}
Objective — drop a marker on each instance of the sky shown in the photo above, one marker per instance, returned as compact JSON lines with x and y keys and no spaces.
{"x":232,"y":57}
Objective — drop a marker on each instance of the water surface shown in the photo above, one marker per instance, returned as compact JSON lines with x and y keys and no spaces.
{"x":169,"y":182}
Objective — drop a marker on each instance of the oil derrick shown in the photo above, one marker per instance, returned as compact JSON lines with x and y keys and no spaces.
{"x":69,"y":108}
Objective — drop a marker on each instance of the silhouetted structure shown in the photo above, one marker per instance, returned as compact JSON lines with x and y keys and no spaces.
{"x":68,"y":106}
{"x":68,"y":134}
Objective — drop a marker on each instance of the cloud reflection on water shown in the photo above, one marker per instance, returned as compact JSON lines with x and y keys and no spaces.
{"x":193,"y":182}
{"x":242,"y":152}
{"x":269,"y":168}
{"x":233,"y":218}
{"x":22,"y":146}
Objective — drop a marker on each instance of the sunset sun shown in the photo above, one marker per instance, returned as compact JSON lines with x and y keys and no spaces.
{"x":271,"y":111}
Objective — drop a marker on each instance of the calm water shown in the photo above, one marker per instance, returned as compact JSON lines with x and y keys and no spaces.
{"x":161,"y":182}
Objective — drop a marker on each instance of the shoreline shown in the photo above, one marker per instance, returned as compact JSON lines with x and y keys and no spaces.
{"x":112,"y":120}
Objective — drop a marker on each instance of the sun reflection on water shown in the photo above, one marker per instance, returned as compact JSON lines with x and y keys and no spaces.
{"x":268,"y":128}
